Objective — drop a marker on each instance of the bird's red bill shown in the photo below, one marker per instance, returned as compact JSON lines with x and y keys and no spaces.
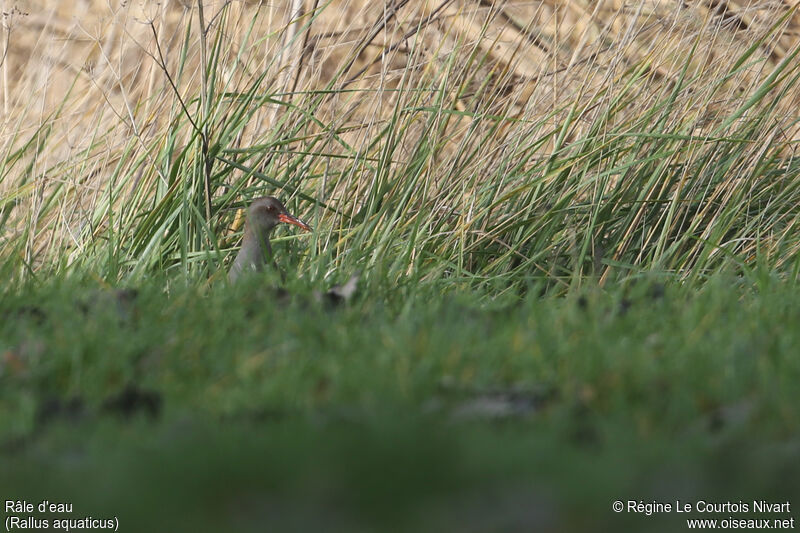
{"x":289,"y":219}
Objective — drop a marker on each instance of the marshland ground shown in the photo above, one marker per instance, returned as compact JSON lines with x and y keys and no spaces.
{"x":577,"y":225}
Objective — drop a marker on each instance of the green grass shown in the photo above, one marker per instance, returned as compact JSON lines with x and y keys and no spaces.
{"x":442,"y":170}
{"x":376,"y":416}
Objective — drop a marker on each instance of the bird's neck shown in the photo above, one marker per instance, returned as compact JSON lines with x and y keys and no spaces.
{"x":257,"y":243}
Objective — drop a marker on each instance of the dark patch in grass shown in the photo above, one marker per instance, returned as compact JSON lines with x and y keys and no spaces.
{"x":34,"y":313}
{"x":657,"y":291}
{"x":133,"y":400}
{"x":259,"y":415}
{"x":54,"y":408}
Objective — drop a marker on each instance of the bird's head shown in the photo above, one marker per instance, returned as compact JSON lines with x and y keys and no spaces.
{"x":267,"y":212}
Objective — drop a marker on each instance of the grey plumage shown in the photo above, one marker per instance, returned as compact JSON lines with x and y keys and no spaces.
{"x":262,"y":217}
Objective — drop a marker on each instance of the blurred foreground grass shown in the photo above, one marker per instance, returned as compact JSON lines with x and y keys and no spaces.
{"x":186,"y":409}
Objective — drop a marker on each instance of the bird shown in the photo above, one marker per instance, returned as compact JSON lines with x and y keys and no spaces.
{"x":262,"y":216}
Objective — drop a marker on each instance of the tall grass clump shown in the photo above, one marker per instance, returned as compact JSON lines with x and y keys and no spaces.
{"x":458,"y":143}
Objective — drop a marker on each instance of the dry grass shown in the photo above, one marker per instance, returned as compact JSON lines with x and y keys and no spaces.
{"x":94,"y":132}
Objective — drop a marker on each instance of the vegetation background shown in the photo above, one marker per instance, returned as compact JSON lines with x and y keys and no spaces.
{"x":480,"y":141}
{"x":577,"y":225}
